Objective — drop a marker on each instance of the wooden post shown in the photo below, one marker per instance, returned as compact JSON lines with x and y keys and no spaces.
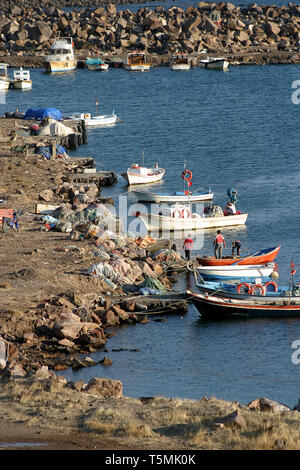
{"x":54,"y":148}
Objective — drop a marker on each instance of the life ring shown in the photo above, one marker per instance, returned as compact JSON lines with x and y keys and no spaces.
{"x":272,"y":283}
{"x":176,"y":211}
{"x":185,"y":173}
{"x":262,"y":289}
{"x":238,"y":289}
{"x":86,"y":116}
{"x":185,"y":213}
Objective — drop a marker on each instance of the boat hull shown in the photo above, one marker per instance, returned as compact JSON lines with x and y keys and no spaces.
{"x":180,"y":66}
{"x":60,"y":66}
{"x":4,"y":84}
{"x":133,"y":178}
{"x":262,"y":259}
{"x":98,"y":67}
{"x":221,"y":64}
{"x":218,"y":307}
{"x":22,"y":85}
{"x":235,"y":272}
{"x":105,"y":120}
{"x":156,"y":197}
{"x":155,"y":222}
{"x":137,"y":67}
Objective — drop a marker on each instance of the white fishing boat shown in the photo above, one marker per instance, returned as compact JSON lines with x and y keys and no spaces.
{"x":217,"y":63}
{"x":180,"y":217}
{"x":180,"y":61}
{"x":22,"y":80}
{"x":137,"y":174}
{"x":4,"y":80}
{"x":136,"y":61}
{"x":97,"y":64}
{"x":61,"y":57}
{"x":93,"y":121}
{"x":178,"y":196}
{"x":236,"y":271}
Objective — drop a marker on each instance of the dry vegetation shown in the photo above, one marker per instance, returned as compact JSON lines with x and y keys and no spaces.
{"x":49,"y":408}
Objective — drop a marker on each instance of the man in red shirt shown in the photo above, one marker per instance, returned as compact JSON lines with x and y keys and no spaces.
{"x":188,"y":245}
{"x":219,"y":243}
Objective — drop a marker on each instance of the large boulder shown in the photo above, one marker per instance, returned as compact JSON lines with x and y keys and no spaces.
{"x":69,"y":326}
{"x":41,"y":32}
{"x":265,"y":404}
{"x":233,"y":420}
{"x":105,"y":388}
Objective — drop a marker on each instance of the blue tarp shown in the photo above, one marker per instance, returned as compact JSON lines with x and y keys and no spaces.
{"x":41,"y":113}
{"x":47,"y":151}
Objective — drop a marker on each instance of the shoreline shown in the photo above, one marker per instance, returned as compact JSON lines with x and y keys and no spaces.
{"x":65,"y":313}
{"x":248,"y":34}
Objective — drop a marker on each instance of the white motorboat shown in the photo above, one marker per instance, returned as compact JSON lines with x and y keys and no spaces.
{"x":61,"y":57}
{"x":137,"y":174}
{"x":4,"y":80}
{"x":180,"y":61}
{"x":97,"y":64}
{"x":93,"y":121}
{"x":180,"y":217}
{"x":22,"y":80}
{"x":236,"y":271}
{"x":217,"y":63}
{"x":183,"y":196}
{"x":136,"y":61}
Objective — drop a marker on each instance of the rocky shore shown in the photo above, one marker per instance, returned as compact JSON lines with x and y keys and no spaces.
{"x":244,"y":34}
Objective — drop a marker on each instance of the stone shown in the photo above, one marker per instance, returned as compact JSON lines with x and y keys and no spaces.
{"x":111,"y":9}
{"x":265,"y":404}
{"x":41,"y":32}
{"x":297,"y":407}
{"x":46,"y":195}
{"x":106,"y":361}
{"x":235,"y":420}
{"x":105,"y":388}
{"x":67,"y":329}
{"x":272,"y":28}
{"x":42,"y":373}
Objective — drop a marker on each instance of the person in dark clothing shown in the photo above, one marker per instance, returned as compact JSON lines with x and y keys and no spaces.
{"x":236,"y":245}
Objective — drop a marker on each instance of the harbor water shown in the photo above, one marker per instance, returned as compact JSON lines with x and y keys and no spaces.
{"x":232,"y":129}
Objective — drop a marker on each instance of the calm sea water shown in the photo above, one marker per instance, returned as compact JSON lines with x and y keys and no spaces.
{"x":237,"y":128}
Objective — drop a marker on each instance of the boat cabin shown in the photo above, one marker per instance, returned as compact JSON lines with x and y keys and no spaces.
{"x":22,"y":74}
{"x":3,"y":70}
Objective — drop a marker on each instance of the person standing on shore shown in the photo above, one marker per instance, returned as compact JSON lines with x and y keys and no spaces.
{"x":188,"y":246}
{"x":218,"y":244}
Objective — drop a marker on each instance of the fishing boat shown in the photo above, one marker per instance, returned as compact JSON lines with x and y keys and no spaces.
{"x":180,"y":217}
{"x":142,"y":175}
{"x":178,"y":196}
{"x":238,"y":289}
{"x":22,"y":80}
{"x":4,"y":80}
{"x":93,"y":121}
{"x":217,"y":63}
{"x":136,"y":61}
{"x":285,"y":304}
{"x":180,"y":61}
{"x":61,"y":57}
{"x":236,"y":271}
{"x":259,"y":257}
{"x":97,"y":64}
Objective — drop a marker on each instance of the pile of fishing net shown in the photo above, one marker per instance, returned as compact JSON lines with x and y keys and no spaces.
{"x":213,"y":211}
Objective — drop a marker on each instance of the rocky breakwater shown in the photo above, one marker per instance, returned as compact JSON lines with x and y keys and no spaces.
{"x":246,"y":34}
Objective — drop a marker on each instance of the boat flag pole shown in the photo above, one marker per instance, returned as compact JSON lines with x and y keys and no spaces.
{"x":96,"y":103}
